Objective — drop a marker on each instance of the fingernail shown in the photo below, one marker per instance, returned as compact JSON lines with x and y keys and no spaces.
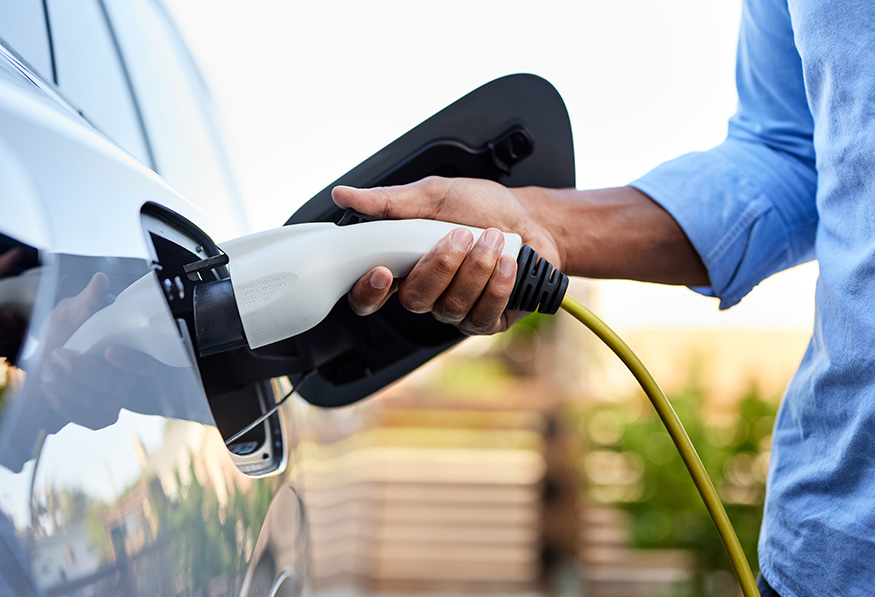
{"x":380,"y":280}
{"x":506,"y":265}
{"x":493,"y":238}
{"x":461,"y":239}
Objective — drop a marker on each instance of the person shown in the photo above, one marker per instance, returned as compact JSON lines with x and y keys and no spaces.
{"x":794,"y":180}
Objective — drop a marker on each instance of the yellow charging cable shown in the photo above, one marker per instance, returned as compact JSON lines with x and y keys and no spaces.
{"x":678,"y":435}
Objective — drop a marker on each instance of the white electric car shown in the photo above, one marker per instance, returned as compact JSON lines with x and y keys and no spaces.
{"x":120,"y":472}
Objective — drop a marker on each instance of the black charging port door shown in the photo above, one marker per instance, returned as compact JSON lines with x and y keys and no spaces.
{"x":514,"y":130}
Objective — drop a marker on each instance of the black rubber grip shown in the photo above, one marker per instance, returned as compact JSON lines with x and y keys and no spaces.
{"x":539,"y":286}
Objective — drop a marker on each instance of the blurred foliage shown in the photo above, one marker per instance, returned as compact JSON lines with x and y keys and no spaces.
{"x":488,"y":376}
{"x":174,"y":540}
{"x":532,"y":324}
{"x":209,"y":541}
{"x":633,"y":463}
{"x":483,"y":378}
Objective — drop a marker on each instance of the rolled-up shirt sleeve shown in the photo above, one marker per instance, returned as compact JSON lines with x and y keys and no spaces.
{"x":748,"y":205}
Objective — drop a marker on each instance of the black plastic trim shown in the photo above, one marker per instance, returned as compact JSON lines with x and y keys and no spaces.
{"x":135,"y":100}
{"x":51,"y":41}
{"x":217,"y":324}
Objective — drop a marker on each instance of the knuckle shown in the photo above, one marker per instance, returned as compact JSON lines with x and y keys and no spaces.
{"x":358,"y":301}
{"x":478,"y":326}
{"x":78,"y":312}
{"x":450,"y":309}
{"x":482,"y":262}
{"x":433,"y":185}
{"x":413,"y":300}
{"x":64,"y":308}
{"x":497,"y":294}
{"x":443,"y":318}
{"x":358,"y":307}
{"x":446,"y":263}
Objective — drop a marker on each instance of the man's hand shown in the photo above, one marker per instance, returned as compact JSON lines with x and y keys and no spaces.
{"x":604,"y":233}
{"x":89,"y":390}
{"x":463,"y":281}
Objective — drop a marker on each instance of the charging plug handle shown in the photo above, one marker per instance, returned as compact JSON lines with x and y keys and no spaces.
{"x":285,"y":281}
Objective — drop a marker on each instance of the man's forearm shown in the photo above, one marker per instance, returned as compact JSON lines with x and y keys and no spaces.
{"x":616,"y":233}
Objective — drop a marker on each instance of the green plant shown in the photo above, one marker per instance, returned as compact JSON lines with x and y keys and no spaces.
{"x":653,"y":486}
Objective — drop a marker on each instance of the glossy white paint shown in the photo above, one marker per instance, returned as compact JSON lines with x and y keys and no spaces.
{"x":23,"y":27}
{"x":84,"y":53}
{"x":178,"y":113}
{"x":88,"y":189}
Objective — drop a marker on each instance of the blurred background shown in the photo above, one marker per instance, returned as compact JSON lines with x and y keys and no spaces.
{"x":528,"y":463}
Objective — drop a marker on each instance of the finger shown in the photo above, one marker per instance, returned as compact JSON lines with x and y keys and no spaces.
{"x":431,"y":276}
{"x":421,"y":199}
{"x":472,"y":279}
{"x":93,"y":296}
{"x":130,"y":361}
{"x":488,"y":316}
{"x":68,"y":411}
{"x":91,"y":373}
{"x":371,"y":291}
{"x":72,"y":312}
{"x":69,"y":397}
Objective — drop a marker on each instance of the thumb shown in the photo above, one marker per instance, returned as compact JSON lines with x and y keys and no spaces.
{"x":419,"y":199}
{"x":92,"y":296}
{"x":70,"y":313}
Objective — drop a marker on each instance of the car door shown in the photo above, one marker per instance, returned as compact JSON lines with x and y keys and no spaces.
{"x":116,"y":478}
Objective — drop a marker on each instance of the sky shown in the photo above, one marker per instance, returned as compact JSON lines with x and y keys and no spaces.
{"x":307,"y":90}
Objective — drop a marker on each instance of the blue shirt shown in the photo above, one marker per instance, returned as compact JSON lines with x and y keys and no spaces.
{"x":795,"y":180}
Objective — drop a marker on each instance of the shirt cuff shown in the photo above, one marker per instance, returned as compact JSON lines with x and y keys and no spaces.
{"x":732,"y":225}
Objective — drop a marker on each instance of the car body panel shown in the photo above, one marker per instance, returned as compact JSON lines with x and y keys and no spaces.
{"x":84,"y":50}
{"x":112,"y":482}
{"x":114,"y":472}
{"x":184,"y":139}
{"x":24,"y":28}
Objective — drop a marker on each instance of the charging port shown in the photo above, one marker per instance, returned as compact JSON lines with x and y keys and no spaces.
{"x":191,"y":269}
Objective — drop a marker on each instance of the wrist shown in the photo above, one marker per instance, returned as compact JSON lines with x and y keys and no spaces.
{"x":613,"y":233}
{"x":544,"y":226}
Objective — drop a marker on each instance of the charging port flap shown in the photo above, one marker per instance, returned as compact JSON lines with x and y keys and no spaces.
{"x":514,"y":130}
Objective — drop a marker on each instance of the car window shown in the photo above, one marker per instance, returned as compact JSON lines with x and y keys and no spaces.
{"x":90,"y":73}
{"x":177,"y":112}
{"x":23,"y":28}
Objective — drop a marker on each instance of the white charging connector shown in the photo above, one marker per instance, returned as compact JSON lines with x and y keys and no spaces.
{"x":288,"y":279}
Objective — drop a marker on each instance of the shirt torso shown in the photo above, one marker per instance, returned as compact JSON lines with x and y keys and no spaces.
{"x":819,"y":531}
